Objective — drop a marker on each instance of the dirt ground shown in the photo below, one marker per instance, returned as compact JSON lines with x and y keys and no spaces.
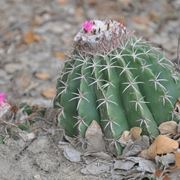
{"x":35,"y":36}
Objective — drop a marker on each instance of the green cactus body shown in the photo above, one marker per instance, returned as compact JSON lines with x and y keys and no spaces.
{"x":118,"y":80}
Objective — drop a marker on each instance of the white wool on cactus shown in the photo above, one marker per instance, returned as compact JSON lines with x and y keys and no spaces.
{"x":107,"y":33}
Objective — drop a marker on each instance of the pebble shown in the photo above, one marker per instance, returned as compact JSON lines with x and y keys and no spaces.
{"x":12,"y":68}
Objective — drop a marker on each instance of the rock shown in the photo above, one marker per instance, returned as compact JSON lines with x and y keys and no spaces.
{"x":72,"y":154}
{"x":94,"y":137}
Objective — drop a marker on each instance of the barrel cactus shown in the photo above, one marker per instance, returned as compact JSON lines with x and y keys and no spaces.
{"x":116,"y":79}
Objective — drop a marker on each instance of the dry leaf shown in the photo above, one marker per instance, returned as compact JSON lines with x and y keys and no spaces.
{"x":59,"y":55}
{"x":95,"y":168}
{"x":153,"y":16}
{"x":141,"y":20}
{"x":30,"y":37}
{"x":135,"y":147}
{"x":62,"y":2}
{"x":42,"y":75}
{"x":161,"y":145}
{"x":99,"y":155}
{"x":94,"y":137}
{"x":165,"y":160}
{"x":49,"y":92}
{"x":125,"y":137}
{"x":144,"y":165}
{"x":169,"y":127}
{"x":124,"y":164}
{"x":177,"y":158}
{"x":135,"y":133}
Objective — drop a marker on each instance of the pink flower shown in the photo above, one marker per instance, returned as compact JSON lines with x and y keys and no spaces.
{"x":88,"y":26}
{"x":2,"y":98}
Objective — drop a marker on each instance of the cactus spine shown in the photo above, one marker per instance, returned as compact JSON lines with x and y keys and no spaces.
{"x":116,"y":79}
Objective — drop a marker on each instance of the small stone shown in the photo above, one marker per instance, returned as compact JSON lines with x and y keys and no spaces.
{"x":42,"y":75}
{"x":37,"y":177}
{"x":12,"y":68}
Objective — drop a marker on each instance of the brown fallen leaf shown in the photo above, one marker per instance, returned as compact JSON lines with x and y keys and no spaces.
{"x":169,"y":127}
{"x":94,"y":137}
{"x":141,"y":20}
{"x":125,"y":137}
{"x":42,"y":75}
{"x":177,"y":158}
{"x":135,"y":133}
{"x":59,"y":55}
{"x":49,"y":93}
{"x":30,"y":37}
{"x":62,"y":2}
{"x":161,"y":145}
{"x":153,"y":16}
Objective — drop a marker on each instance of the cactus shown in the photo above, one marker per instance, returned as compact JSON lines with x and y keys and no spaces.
{"x":116,"y":79}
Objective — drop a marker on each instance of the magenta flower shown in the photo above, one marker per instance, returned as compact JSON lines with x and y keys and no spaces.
{"x":87,"y":26}
{"x":2,"y":98}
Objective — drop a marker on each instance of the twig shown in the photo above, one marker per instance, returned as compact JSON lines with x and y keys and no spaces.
{"x":9,"y":123}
